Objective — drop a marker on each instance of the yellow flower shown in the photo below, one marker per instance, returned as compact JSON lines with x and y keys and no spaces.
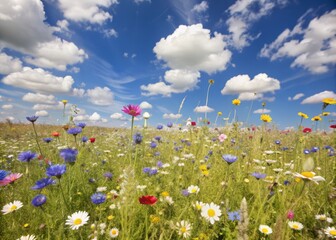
{"x":203,"y":167}
{"x":26,"y":225}
{"x":316,"y":118}
{"x":64,"y":101}
{"x":219,"y":113}
{"x":110,"y":217}
{"x":205,"y":173}
{"x":265,"y":118}
{"x":211,"y":81}
{"x":308,"y":176}
{"x":329,"y":101}
{"x":325,"y":114}
{"x":236,"y":102}
{"x":165,"y":194}
{"x":303,"y":115}
{"x":154,"y":219}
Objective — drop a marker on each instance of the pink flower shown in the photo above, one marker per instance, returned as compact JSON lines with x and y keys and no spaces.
{"x":10,"y":179}
{"x":290,"y":215}
{"x":133,"y":110}
{"x":222,"y":137}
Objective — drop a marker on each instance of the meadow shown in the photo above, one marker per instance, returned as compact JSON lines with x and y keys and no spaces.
{"x":166,"y":182}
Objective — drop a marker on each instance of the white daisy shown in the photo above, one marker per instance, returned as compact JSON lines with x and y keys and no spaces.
{"x":184,"y":228}
{"x":309,"y":176}
{"x":77,"y":219}
{"x":265,"y":229}
{"x":114,"y":232}
{"x":28,"y":237}
{"x":193,"y":189}
{"x":198,"y":205}
{"x":323,"y":217}
{"x":11,"y":207}
{"x":295,"y":225}
{"x":331,"y":232}
{"x":101,"y":189}
{"x":211,"y":212}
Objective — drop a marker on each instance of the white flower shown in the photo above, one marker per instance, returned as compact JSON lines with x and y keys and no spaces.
{"x":28,"y":237}
{"x":295,"y":225}
{"x":11,"y":207}
{"x":183,"y":228}
{"x":277,"y":170}
{"x":265,"y":229}
{"x":193,"y":189}
{"x":101,"y":189}
{"x":270,"y":161}
{"x":77,"y":219}
{"x":211,"y":212}
{"x":114,"y":232}
{"x":180,"y":164}
{"x":198,"y":205}
{"x":168,"y":199}
{"x":323,"y":217}
{"x":309,"y":176}
{"x":141,"y":187}
{"x":331,"y":232}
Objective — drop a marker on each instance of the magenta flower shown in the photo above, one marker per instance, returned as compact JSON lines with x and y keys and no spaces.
{"x":10,"y":179}
{"x":133,"y":110}
{"x":290,"y":215}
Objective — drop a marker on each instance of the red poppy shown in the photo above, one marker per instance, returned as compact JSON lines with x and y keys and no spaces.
{"x":193,"y":123}
{"x":92,"y":140}
{"x":307,"y":130}
{"x":333,"y":126}
{"x":148,"y":200}
{"x":55,"y":134}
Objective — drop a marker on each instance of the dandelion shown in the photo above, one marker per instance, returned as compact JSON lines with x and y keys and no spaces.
{"x":183,"y":228}
{"x":303,"y":115}
{"x":330,"y":232}
{"x":328,"y":101}
{"x":295,"y":225}
{"x":154,"y":219}
{"x":265,"y":118}
{"x":11,"y":207}
{"x":265,"y":229}
{"x":316,"y":118}
{"x":77,"y":219}
{"x":27,"y":237}
{"x":211,"y":212}
{"x":114,"y":232}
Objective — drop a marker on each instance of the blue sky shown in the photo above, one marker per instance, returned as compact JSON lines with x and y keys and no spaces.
{"x":104,"y":54}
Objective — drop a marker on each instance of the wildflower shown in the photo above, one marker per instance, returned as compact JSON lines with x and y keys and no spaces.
{"x":11,"y":207}
{"x":306,"y":130}
{"x":74,"y":131}
{"x":295,"y":225}
{"x":69,"y":155}
{"x":56,"y":170}
{"x":185,"y":192}
{"x":42,"y":183}
{"x":333,"y":126}
{"x":148,"y":200}
{"x":198,"y":205}
{"x":98,"y":198}
{"x":77,"y":219}
{"x":32,"y":118}
{"x":153,"y":145}
{"x":55,"y":134}
{"x":47,"y":140}
{"x":154,"y":219}
{"x":258,"y":175}
{"x":229,"y":158}
{"x":183,"y":228}
{"x":323,"y":217}
{"x":28,"y":237}
{"x":92,"y":139}
{"x":328,"y":101}
{"x":331,"y":232}
{"x":265,"y":118}
{"x":222,"y":137}
{"x":309,"y":176}
{"x":108,"y":175}
{"x":211,"y":212}
{"x":81,"y":125}
{"x":64,"y":101}
{"x":170,"y":124}
{"x":10,"y":179}
{"x":303,"y":115}
{"x":114,"y":232}
{"x":236,"y":102}
{"x":316,"y":118}
{"x":234,"y":216}
{"x":265,"y":229}
{"x":193,"y":123}
{"x":219,"y":113}
{"x":84,"y":139}
{"x":211,"y":81}
{"x":39,"y":200}
{"x":27,"y":156}
{"x":101,"y":189}
{"x":3,"y":174}
{"x":133,"y":110}
{"x":325,"y":114}
{"x":193,"y":189}
{"x":137,"y":138}
{"x":290,"y":215}
{"x":159,"y":127}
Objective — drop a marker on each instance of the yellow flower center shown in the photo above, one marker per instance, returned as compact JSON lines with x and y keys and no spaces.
{"x":183,"y":229}
{"x":332,"y":232}
{"x":13,"y":208}
{"x":295,"y":226}
{"x":308,"y":174}
{"x":77,"y":221}
{"x":114,"y":232}
{"x":193,"y":190}
{"x":211,"y":213}
{"x":264,"y":230}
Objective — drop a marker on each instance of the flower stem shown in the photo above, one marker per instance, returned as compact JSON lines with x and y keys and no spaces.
{"x":36,"y":139}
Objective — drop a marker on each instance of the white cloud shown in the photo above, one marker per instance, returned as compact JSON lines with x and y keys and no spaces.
{"x":176,"y":81}
{"x":261,"y":83}
{"x":118,"y":116}
{"x":81,"y":118}
{"x":145,"y":105}
{"x":62,"y":26}
{"x":78,"y":92}
{"x":39,"y":98}
{"x":203,"y":109}
{"x":201,"y":7}
{"x":193,"y":48}
{"x":40,"y":107}
{"x":7,"y":106}
{"x":261,"y":111}
{"x":317,"y":98}
{"x":39,"y":80}
{"x":87,"y":11}
{"x":248,"y":96}
{"x":142,"y":1}
{"x":9,"y":64}
{"x":110,"y":33}
{"x":313,"y":47}
{"x":100,"y":96}
{"x":171,"y":116}
{"x":42,"y":113}
{"x":95,"y":117}
{"x":296,"y":97}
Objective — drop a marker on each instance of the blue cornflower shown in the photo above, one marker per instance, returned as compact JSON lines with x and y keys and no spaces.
{"x":159,"y":127}
{"x":229,"y":158}
{"x":85,"y":139}
{"x":42,"y":183}
{"x":146,"y":169}
{"x":153,"y":145}
{"x":92,"y":180}
{"x":74,"y":131}
{"x":153,"y":171}
{"x":258,"y":175}
{"x":159,"y":164}
{"x":157,"y":154}
{"x":185,"y":192}
{"x":27,"y":156}
{"x":3,"y":174}
{"x":32,"y":118}
{"x":306,"y":151}
{"x":108,"y":175}
{"x":39,"y":200}
{"x":137,"y":138}
{"x":234,"y":216}
{"x":285,"y":148}
{"x":277,"y":142}
{"x":56,"y":170}
{"x":47,"y":140}
{"x":69,"y":155}
{"x":210,"y":153}
{"x":81,"y":125}
{"x":170,"y":124}
{"x":157,"y":138}
{"x":286,"y":182}
{"x":98,"y":198}
{"x":314,"y":149}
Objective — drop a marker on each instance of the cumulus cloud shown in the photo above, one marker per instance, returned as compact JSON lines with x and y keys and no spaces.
{"x":100,"y":96}
{"x":40,"y":107}
{"x":118,"y":116}
{"x":9,"y":64}
{"x":110,"y":33}
{"x":317,"y":98}
{"x":78,"y":92}
{"x":201,"y":7}
{"x":39,"y":80}
{"x":203,"y":109}
{"x":39,"y":98}
{"x":313,"y":48}
{"x":95,"y":117}
{"x":172,"y":116}
{"x":178,"y":50}
{"x":296,"y":97}
{"x":248,"y":96}
{"x":87,"y":11}
{"x":7,"y":106}
{"x":145,"y":105}
{"x":33,"y":37}
{"x":261,"y":111}
{"x":42,"y":113}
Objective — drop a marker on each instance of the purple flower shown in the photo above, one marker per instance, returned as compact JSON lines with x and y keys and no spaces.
{"x":27,"y":156}
{"x":157,"y":138}
{"x":314,"y":149}
{"x":3,"y":174}
{"x":39,"y":200}
{"x":84,"y":139}
{"x":159,"y":127}
{"x":258,"y":175}
{"x":153,"y":171}
{"x":306,"y":151}
{"x":159,"y":164}
{"x":42,"y":183}
{"x":229,"y":158}
{"x":277,"y":142}
{"x":47,"y":140}
{"x":170,"y":124}
{"x":69,"y":155}
{"x":234,"y":216}
{"x":74,"y":131}
{"x":146,"y":169}
{"x":56,"y":170}
{"x":137,"y":138}
{"x":185,"y":192}
{"x":108,"y":175}
{"x":32,"y":118}
{"x":81,"y":125}
{"x":98,"y":198}
{"x":153,"y":145}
